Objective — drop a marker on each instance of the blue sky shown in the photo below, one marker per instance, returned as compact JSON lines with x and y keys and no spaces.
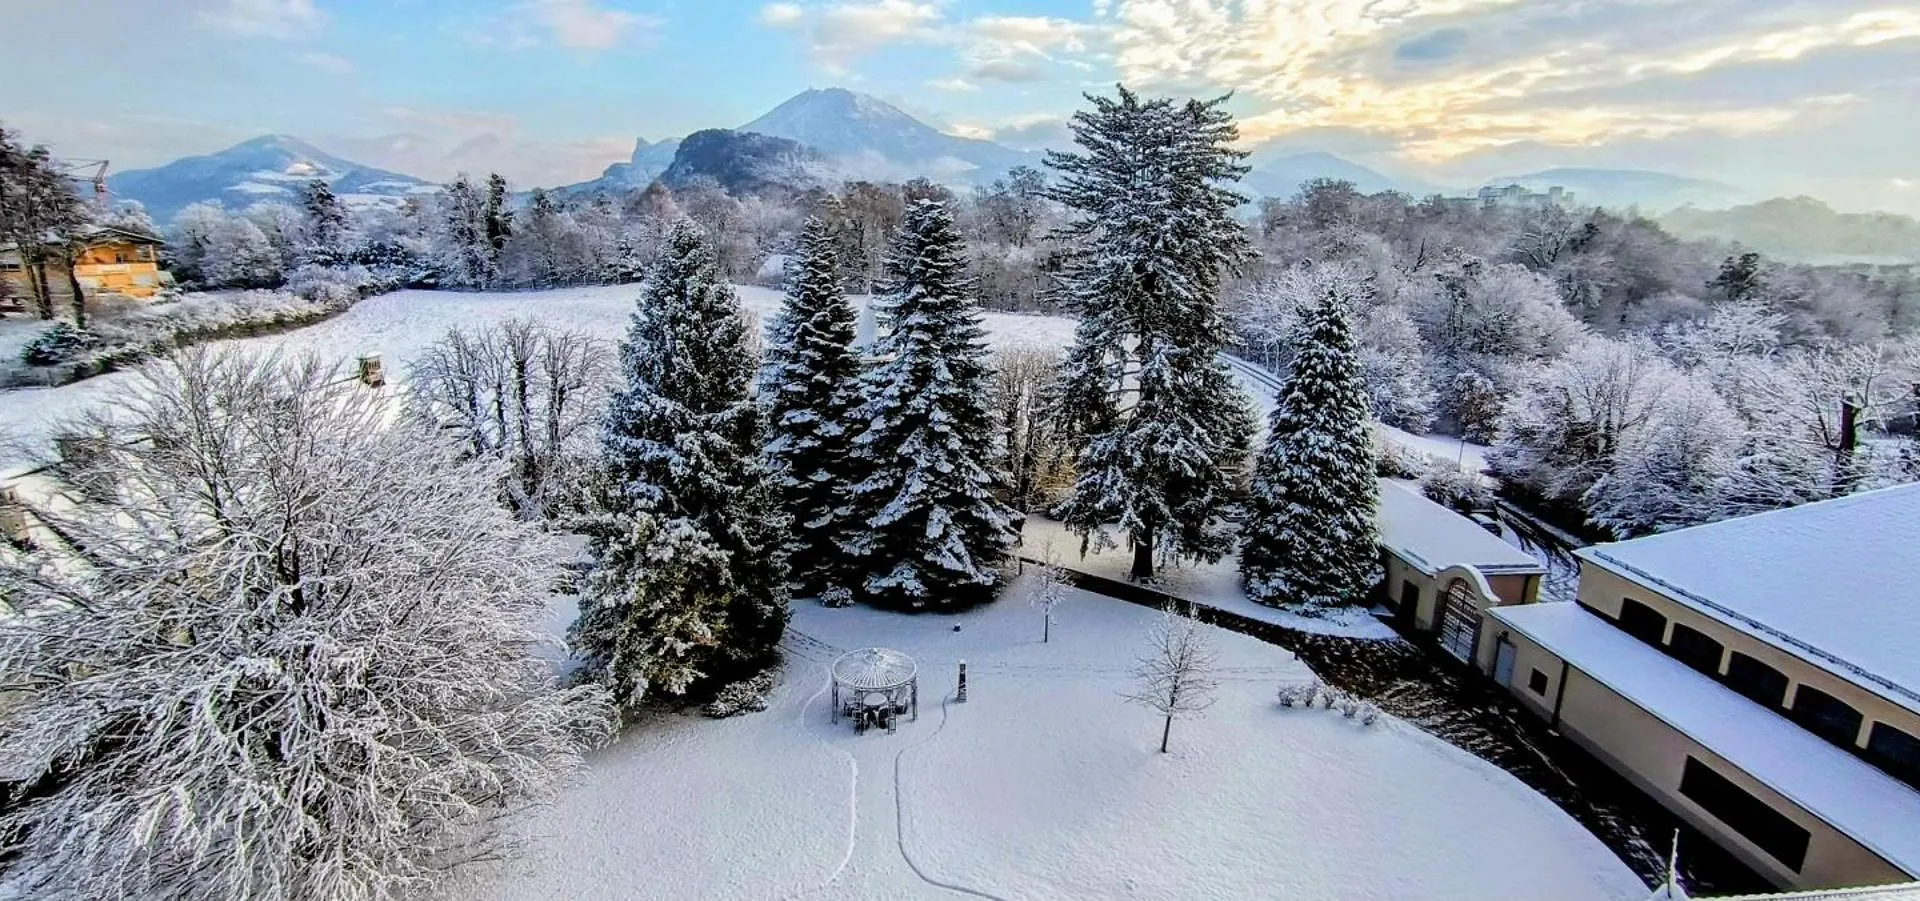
{"x":1784,"y":96}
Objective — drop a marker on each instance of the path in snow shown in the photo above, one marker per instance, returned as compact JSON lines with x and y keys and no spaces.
{"x":401,"y":325}
{"x":1045,"y":784}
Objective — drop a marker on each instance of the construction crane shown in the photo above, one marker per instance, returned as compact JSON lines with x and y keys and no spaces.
{"x":93,"y":172}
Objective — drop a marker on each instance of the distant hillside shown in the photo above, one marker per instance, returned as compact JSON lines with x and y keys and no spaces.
{"x":868,"y":136}
{"x":1653,"y":192}
{"x":1803,"y":229}
{"x":272,"y":167}
{"x":745,"y":163}
{"x":1281,"y":175}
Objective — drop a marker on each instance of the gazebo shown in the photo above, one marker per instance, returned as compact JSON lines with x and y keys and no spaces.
{"x":874,"y":686}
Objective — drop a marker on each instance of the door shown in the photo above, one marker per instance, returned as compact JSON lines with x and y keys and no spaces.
{"x":1503,"y":663}
{"x":1409,"y":596}
{"x":1459,"y":622}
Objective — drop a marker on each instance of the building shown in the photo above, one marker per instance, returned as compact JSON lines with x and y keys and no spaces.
{"x":1516,"y":197}
{"x":1444,"y":571}
{"x":116,"y":261}
{"x":1760,"y":677}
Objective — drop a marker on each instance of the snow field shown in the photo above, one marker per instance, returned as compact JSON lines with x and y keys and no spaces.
{"x":1045,"y":784}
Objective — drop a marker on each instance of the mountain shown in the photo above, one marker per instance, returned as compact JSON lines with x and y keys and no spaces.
{"x":1281,"y":175}
{"x":868,"y":136}
{"x":1805,"y":230}
{"x":745,"y":162}
{"x":273,"y":167}
{"x":1619,"y":188}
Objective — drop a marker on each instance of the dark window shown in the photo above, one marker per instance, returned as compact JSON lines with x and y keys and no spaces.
{"x":1409,"y":596}
{"x":1745,"y":814}
{"x":1538,"y":682}
{"x":1896,"y":752}
{"x":1759,"y":682}
{"x":1642,"y":622}
{"x":1693,"y":648}
{"x":1826,"y":716}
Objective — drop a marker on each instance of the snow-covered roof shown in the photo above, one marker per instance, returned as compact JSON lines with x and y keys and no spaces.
{"x":874,"y":668}
{"x":1431,"y":537}
{"x":1833,"y":583}
{"x":1852,"y":795}
{"x":1907,"y":891}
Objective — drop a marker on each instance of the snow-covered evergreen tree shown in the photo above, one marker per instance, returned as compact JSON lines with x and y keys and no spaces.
{"x":932,"y":532}
{"x":281,"y":646}
{"x":1312,"y":539}
{"x":1159,"y":428}
{"x":328,"y":225}
{"x":691,"y":578}
{"x":812,"y":390}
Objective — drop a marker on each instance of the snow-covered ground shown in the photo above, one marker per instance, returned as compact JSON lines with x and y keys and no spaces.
{"x":401,"y":325}
{"x":1216,"y":585}
{"x":1045,"y":784}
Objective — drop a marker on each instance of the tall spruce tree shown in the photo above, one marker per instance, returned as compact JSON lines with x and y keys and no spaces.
{"x":690,"y":582}
{"x":1312,"y":538}
{"x":327,"y":224}
{"x":931,"y":532}
{"x":812,"y":389}
{"x":1160,"y":430}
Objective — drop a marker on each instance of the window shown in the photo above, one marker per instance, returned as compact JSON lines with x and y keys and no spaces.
{"x":1759,"y":682}
{"x":1538,"y":682}
{"x":1642,"y":622}
{"x":1750,"y":817}
{"x":143,"y":253}
{"x":1693,"y":648}
{"x":1896,"y":752}
{"x":1826,"y":716}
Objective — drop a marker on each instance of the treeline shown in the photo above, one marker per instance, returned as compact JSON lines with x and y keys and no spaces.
{"x":1626,"y":378}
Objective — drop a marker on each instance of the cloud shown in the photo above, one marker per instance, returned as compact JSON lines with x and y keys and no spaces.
{"x":839,"y":33}
{"x":327,"y":62}
{"x":953,"y":85}
{"x":281,"y":19}
{"x":438,"y":143}
{"x":992,"y":48}
{"x":1034,"y":131}
{"x":1446,"y":79}
{"x":580,"y":25}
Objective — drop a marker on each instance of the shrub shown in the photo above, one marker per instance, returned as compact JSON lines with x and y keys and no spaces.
{"x":745,"y":696}
{"x":1396,"y":461}
{"x":1453,"y":487}
{"x":59,"y":344}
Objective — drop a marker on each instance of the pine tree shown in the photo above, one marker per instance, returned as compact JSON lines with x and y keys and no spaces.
{"x":689,"y":586}
{"x":499,"y":217}
{"x":812,"y":390}
{"x":326,"y":224}
{"x":1159,"y":429}
{"x":933,"y":533}
{"x":1311,"y":537}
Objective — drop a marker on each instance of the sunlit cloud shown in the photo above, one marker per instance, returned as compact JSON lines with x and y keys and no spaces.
{"x":281,"y":19}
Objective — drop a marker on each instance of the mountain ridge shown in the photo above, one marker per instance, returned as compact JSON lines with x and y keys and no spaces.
{"x":269,"y":167}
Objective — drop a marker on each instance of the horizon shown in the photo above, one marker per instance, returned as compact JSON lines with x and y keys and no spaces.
{"x":1783,"y":98}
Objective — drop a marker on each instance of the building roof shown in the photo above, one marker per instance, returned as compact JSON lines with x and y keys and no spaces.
{"x":873,"y":668}
{"x":1431,"y":537}
{"x":1906,"y":891}
{"x":1836,"y":583}
{"x":96,"y":234}
{"x":1852,"y":795}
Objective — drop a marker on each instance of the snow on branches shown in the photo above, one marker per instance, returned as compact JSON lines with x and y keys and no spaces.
{"x":1175,"y":674}
{"x":280,"y":645}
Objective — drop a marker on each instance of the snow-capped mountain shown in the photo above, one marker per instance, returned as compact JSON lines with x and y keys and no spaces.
{"x":649,"y":161}
{"x":744,"y":162}
{"x":1653,"y":191}
{"x":867,"y":135}
{"x":271,"y":167}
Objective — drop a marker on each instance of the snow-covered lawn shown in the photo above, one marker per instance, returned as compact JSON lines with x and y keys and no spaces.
{"x":1216,"y":585}
{"x":1046,"y":784}
{"x":401,"y":325}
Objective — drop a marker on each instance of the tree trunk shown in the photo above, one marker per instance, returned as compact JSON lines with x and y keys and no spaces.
{"x":79,"y":293}
{"x":42,"y":292}
{"x":1046,"y":632}
{"x":1142,"y":555}
{"x":1165,"y":732}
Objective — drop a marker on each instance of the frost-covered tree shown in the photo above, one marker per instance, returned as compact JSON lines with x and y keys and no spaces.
{"x":811,"y":387}
{"x":1025,"y":378}
{"x":524,"y":393}
{"x":462,"y":247}
{"x":931,"y":531}
{"x":329,"y":227}
{"x":690,"y":582}
{"x":1668,"y":474}
{"x":1176,"y":673}
{"x":280,"y":646}
{"x":1160,"y":429}
{"x":1311,"y":540}
{"x":1048,"y":586}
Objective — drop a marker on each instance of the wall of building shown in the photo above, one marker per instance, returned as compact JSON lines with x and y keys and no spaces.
{"x":1603,"y":590}
{"x":1420,"y":614}
{"x":1653,"y":755}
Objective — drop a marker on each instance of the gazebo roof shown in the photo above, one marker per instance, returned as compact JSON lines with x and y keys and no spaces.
{"x":873,"y":669}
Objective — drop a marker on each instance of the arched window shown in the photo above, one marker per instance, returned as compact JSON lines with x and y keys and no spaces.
{"x":1642,"y":622}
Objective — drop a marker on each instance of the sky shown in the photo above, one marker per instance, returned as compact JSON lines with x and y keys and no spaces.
{"x":1779,"y":97}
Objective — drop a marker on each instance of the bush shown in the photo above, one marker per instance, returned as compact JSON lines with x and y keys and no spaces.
{"x":1456,"y":488}
{"x":60,"y":344}
{"x":1396,"y":461}
{"x":745,"y":696}
{"x":837,"y":596}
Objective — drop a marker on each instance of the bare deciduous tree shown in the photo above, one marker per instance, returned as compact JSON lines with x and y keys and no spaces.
{"x":519,"y":392}
{"x":1047,"y":588}
{"x":282,"y":647}
{"x":1176,"y":673}
{"x":1036,"y":460}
